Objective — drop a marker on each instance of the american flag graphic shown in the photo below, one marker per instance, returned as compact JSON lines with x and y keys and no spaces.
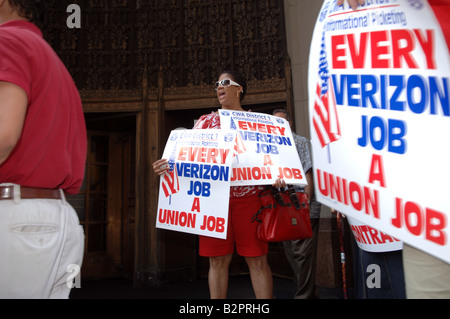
{"x":325,"y":117}
{"x":239,"y":146}
{"x":170,"y":182}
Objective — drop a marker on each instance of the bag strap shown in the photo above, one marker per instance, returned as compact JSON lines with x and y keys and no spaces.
{"x":294,"y":198}
{"x":278,"y":198}
{"x":265,"y":192}
{"x":255,"y":217}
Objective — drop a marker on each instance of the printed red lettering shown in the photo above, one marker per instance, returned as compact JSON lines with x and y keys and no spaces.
{"x":374,"y":234}
{"x":358,"y":56}
{"x":262,"y":128}
{"x":289,"y":173}
{"x":400,"y":52}
{"x":213,"y":224}
{"x":362,"y":232}
{"x":380,"y":49}
{"x":419,"y":221}
{"x":212,"y":155}
{"x":267,"y":160}
{"x":435,"y":223}
{"x":177,"y":218}
{"x":203,"y":155}
{"x":427,"y":45}
{"x":349,"y":193}
{"x":338,"y":52}
{"x":196,"y":205}
{"x":388,"y":48}
{"x":377,"y":170}
{"x":248,"y":173}
{"x":386,"y":238}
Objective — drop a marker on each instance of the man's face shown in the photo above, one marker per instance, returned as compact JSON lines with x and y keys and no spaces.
{"x":280,"y":114}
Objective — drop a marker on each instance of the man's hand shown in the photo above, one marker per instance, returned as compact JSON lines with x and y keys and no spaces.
{"x":353,"y":3}
{"x":161,"y":167}
{"x":279,"y":183}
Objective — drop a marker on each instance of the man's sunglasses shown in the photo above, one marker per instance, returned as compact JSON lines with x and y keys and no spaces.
{"x":225,"y":83}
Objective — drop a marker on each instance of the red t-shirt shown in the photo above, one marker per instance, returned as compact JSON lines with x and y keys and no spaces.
{"x":51,"y":152}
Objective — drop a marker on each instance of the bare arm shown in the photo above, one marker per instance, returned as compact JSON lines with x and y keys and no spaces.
{"x":13,"y":109}
{"x":309,"y":189}
{"x":352,"y":3}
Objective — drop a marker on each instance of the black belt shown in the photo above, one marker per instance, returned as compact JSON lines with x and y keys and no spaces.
{"x":7,"y":193}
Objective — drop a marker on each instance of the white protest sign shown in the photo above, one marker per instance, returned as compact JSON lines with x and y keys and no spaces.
{"x":265,"y":149}
{"x":194,"y":195}
{"x":371,"y":239}
{"x":380,"y":119}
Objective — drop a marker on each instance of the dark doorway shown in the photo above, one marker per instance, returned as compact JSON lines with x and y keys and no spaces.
{"x":106,"y":202}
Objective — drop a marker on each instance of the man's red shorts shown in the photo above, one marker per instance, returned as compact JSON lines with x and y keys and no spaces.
{"x":241,"y":231}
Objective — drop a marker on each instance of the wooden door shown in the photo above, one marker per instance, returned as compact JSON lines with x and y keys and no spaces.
{"x":105,"y":206}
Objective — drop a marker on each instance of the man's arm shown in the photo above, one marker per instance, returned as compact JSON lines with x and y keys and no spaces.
{"x":309,"y":189}
{"x":352,"y":3}
{"x":13,"y":109}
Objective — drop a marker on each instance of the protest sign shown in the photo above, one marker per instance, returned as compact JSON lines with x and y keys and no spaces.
{"x":194,"y":194}
{"x":380,"y":118}
{"x":265,"y":149}
{"x":371,"y":239}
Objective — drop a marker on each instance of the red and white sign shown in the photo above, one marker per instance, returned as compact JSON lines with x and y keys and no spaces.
{"x":371,"y":239}
{"x":265,"y":149}
{"x":379,"y":78}
{"x":194,"y":194}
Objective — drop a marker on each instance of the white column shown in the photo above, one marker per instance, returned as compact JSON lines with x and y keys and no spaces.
{"x":301,"y":16}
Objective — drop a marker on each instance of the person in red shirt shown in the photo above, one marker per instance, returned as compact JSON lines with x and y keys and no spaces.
{"x":242,"y":236}
{"x":43,"y":147}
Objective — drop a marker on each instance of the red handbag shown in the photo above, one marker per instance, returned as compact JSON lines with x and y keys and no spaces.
{"x":284,"y":215}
